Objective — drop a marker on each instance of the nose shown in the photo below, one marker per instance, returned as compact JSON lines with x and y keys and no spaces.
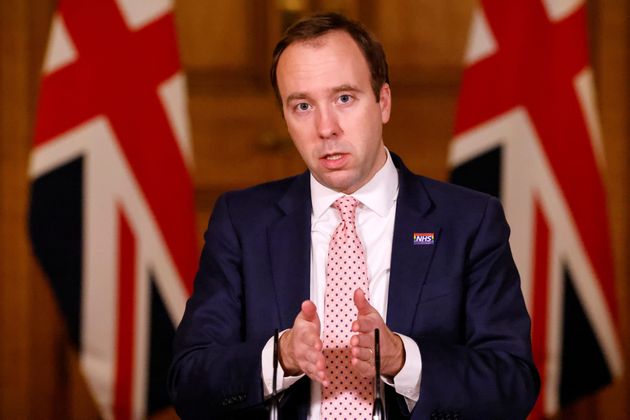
{"x":327,"y":123}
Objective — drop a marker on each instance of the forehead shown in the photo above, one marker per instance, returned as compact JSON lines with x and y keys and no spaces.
{"x":324,"y":62}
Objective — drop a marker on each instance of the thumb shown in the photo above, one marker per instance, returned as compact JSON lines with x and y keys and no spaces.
{"x":361,"y":302}
{"x":309,"y":311}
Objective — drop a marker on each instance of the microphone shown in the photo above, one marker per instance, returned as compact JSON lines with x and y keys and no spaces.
{"x":378,"y":412}
{"x":273,"y":401}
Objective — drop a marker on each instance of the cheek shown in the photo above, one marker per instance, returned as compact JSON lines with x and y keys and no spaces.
{"x":300,"y":139}
{"x":295,"y":131}
{"x":369,"y":134}
{"x":301,"y":128}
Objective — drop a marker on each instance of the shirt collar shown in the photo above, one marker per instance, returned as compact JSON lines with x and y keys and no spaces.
{"x":379,"y":194}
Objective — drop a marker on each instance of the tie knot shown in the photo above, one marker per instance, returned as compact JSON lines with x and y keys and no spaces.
{"x":347,"y":206}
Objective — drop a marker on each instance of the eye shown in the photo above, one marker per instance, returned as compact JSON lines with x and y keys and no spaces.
{"x":344,"y":99}
{"x":302,"y":106}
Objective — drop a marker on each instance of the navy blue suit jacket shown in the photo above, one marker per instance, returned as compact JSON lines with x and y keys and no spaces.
{"x":459,"y":299}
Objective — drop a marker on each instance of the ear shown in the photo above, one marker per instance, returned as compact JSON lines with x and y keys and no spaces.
{"x":385,"y":102}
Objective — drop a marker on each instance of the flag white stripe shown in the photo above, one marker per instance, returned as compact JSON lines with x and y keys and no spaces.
{"x":108,"y":183}
{"x":514,"y":132}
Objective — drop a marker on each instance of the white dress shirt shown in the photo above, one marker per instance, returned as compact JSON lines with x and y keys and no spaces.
{"x":375,"y":217}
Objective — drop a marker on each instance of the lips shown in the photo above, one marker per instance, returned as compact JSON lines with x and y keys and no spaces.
{"x":334,"y":160}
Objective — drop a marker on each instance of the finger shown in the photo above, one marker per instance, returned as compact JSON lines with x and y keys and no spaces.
{"x":361,"y":302}
{"x":309,"y":311}
{"x":311,"y":369}
{"x":363,"y":354}
{"x":362,"y":340}
{"x":319,"y":376}
{"x":321,"y":373}
{"x":362,"y":368}
{"x":364,"y":324}
{"x":321,"y":368}
{"x":316,"y":372}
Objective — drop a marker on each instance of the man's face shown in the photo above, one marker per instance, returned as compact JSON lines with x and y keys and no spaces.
{"x":331,"y":112}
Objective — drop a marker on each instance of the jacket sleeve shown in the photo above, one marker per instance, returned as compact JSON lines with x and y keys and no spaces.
{"x":487,"y":371}
{"x":215,"y":371}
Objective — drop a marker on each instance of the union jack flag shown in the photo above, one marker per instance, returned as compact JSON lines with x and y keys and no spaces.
{"x":527,"y":131}
{"x":112,"y":213}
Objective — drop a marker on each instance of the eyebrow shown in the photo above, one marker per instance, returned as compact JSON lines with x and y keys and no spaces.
{"x":346,"y":88}
{"x":337,"y":89}
{"x":296,"y":96}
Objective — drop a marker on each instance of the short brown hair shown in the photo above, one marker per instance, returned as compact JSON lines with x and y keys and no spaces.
{"x":317,"y":25}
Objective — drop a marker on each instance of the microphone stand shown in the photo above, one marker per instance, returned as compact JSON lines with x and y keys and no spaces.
{"x":273,"y":401}
{"x":378,"y":412}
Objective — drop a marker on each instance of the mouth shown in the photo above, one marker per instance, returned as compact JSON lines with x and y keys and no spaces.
{"x":334,"y":156}
{"x":334,"y":161}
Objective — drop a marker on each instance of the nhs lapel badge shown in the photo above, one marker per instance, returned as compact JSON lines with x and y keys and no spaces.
{"x":424,"y":238}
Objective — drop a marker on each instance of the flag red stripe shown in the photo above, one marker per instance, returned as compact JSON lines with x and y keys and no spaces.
{"x":117,"y":75}
{"x":123,"y":391}
{"x":67,"y":89}
{"x":540,"y":301}
{"x":535,"y":67}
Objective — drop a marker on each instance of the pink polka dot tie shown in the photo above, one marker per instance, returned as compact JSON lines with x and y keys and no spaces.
{"x":348,"y":396}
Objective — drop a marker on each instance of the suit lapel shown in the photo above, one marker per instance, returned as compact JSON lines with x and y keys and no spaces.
{"x":289,"y":247}
{"x":410,"y":262}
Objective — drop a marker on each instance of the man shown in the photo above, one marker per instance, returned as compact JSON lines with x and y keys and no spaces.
{"x":327,"y":256}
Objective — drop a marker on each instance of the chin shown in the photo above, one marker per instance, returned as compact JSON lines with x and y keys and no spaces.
{"x":341,"y":181}
{"x":344,"y":187}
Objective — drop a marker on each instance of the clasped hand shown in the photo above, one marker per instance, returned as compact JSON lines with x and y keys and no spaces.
{"x":301,"y":348}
